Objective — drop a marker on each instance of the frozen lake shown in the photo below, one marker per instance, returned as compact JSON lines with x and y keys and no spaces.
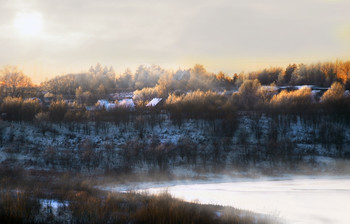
{"x":299,"y":200}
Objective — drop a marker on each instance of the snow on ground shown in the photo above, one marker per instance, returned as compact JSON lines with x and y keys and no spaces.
{"x":29,"y":143}
{"x":308,"y":200}
{"x":165,"y":131}
{"x":53,"y":205}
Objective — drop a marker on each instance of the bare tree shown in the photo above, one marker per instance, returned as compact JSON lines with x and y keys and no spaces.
{"x":14,"y":81}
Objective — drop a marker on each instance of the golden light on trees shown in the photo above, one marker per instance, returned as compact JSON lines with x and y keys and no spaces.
{"x":336,"y":92}
{"x":13,"y":80}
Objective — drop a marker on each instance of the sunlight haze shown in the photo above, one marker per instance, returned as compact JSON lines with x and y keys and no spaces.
{"x":49,"y":38}
{"x":28,"y":24}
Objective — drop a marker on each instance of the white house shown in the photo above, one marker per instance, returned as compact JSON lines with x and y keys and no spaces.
{"x":106,"y":104}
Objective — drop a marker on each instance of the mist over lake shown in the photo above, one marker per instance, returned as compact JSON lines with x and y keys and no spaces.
{"x":306,"y":199}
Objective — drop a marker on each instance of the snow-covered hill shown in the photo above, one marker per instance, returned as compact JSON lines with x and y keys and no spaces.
{"x":259,"y":142}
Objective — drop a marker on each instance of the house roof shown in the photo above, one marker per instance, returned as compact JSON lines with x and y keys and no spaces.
{"x":128,"y":103}
{"x":154,"y":102}
{"x":107,"y":105}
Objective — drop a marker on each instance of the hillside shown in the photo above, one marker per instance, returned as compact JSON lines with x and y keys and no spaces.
{"x":259,"y":141}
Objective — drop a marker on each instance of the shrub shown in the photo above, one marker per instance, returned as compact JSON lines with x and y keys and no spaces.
{"x":297,"y":100}
{"x":57,"y":110}
{"x":336,"y":92}
{"x":42,"y":116}
{"x":12,"y":107}
{"x":145,"y":94}
{"x":18,"y":207}
{"x":248,"y":96}
{"x":199,"y":104}
{"x":333,"y":99}
{"x":30,"y":107}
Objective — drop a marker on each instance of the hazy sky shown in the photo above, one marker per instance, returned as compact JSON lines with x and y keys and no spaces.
{"x":227,"y":35}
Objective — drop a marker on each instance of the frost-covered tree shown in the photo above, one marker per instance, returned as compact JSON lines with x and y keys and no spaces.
{"x":14,"y":81}
{"x":248,"y":96}
{"x":57,"y":110}
{"x":200,"y":79}
{"x":147,"y":76}
{"x":124,"y":80}
{"x":11,"y":106}
{"x":30,"y":107}
{"x":336,"y":92}
{"x":295,"y":100}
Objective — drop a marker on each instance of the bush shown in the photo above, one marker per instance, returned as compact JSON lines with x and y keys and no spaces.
{"x":335,"y":93}
{"x":145,"y":94}
{"x":16,"y":109}
{"x":57,"y":110}
{"x":248,"y":96}
{"x":199,"y":104}
{"x":296,"y":101}
{"x":333,"y":99}
{"x":30,"y":107}
{"x":12,"y":107}
{"x":18,"y":208}
{"x":42,"y":116}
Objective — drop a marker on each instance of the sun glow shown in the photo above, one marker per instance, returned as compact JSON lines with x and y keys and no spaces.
{"x":29,"y":24}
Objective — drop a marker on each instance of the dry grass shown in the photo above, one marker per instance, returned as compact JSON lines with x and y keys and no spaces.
{"x":20,"y":202}
{"x":18,"y":207}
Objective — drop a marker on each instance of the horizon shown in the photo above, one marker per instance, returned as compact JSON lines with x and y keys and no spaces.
{"x":258,"y":67}
{"x":49,"y":39}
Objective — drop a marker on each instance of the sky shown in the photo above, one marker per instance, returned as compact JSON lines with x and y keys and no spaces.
{"x":46,"y":38}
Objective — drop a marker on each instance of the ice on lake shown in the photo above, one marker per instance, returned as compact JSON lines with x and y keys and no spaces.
{"x":294,"y":200}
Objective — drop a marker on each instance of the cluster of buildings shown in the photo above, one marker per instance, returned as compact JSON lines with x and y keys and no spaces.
{"x":115,"y":100}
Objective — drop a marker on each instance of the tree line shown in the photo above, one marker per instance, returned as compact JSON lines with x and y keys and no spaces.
{"x":320,"y":74}
{"x":192,"y":93}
